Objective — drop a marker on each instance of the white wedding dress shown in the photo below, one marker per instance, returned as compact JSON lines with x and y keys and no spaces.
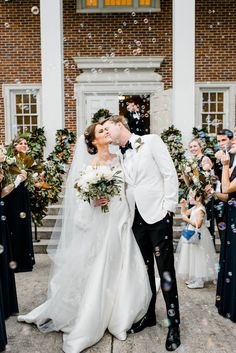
{"x":100,"y":282}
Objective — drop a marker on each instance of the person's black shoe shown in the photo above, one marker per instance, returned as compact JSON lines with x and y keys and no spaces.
{"x":173,"y":339}
{"x":142,"y":324}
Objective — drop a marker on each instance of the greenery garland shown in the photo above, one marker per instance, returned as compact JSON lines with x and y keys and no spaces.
{"x":101,"y":115}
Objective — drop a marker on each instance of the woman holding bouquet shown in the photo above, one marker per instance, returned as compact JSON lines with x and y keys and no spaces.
{"x":99,"y":280}
{"x":17,"y":205}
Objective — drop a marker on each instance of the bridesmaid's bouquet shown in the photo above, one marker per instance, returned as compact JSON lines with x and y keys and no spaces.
{"x":98,"y":181}
{"x":198,"y":178}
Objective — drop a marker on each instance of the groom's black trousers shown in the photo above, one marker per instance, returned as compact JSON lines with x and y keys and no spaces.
{"x":156,"y":240}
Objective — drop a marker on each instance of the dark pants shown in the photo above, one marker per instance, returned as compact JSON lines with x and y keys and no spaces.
{"x":157,"y":239}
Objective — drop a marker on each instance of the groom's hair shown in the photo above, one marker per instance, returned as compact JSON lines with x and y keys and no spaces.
{"x":115,"y":119}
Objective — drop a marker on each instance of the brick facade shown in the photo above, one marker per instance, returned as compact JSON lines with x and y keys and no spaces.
{"x":114,"y":34}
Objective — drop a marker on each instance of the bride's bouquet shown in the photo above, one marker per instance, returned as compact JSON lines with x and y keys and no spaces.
{"x":97,"y":182}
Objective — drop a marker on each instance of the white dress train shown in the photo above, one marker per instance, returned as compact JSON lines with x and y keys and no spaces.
{"x":103,"y":285}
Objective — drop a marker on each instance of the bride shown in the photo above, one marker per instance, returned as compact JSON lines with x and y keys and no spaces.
{"x":98,"y":279}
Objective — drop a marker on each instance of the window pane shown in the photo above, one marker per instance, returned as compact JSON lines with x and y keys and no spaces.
{"x":213,"y":107}
{"x":25,"y":98}
{"x":145,"y":3}
{"x":205,"y":107}
{"x":220,"y":96}
{"x":18,"y":98}
{"x":33,"y":98}
{"x":19,"y":108}
{"x":118,"y":2}
{"x":27,"y":120}
{"x":205,"y":97}
{"x":91,"y":3}
{"x":19,"y":120}
{"x":34,"y":128}
{"x":34,"y":120}
{"x":26,"y":108}
{"x":220,"y":107}
{"x":33,"y":108}
{"x":213,"y":97}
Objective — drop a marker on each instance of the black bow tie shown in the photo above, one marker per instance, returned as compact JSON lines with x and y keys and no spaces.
{"x":126,"y":147}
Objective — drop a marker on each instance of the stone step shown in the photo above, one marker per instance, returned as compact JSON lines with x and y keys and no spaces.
{"x":53,"y":209}
{"x":41,"y":246}
{"x":50,"y":220}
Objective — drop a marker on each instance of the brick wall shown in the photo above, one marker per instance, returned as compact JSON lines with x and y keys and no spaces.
{"x":215,"y":40}
{"x":114,"y":34}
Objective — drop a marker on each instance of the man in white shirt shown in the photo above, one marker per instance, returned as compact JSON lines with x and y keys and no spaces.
{"x":152,"y":193}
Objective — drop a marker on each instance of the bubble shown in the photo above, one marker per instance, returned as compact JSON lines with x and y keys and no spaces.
{"x":3,"y":218}
{"x":150,"y":28}
{"x":138,"y":43}
{"x":135,"y":52}
{"x":222,"y":226}
{"x":17,"y":81}
{"x":154,"y":40}
{"x":2,"y":203}
{"x":35,"y":10}
{"x":228,"y":315}
{"x":82,"y":25}
{"x":1,"y":249}
{"x":22,"y":215}
{"x":89,"y":35}
{"x":166,"y":322}
{"x":139,"y":50}
{"x":166,"y":276}
{"x":120,"y":31}
{"x":124,"y":24}
{"x":167,"y":287}
{"x":218,"y":298}
{"x":133,"y":14}
{"x":7,"y":25}
{"x":210,"y":26}
{"x":145,"y":20}
{"x":135,"y":22}
{"x":227,"y":280}
{"x":230,"y":274}
{"x":171,"y":312}
{"x":13,"y":265}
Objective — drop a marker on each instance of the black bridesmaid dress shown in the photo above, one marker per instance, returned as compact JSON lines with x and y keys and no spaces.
{"x":3,"y":335}
{"x":17,"y":205}
{"x":7,"y":274}
{"x":226,"y":284}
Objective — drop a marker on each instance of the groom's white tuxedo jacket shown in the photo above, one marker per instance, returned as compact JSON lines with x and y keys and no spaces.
{"x":151,"y":178}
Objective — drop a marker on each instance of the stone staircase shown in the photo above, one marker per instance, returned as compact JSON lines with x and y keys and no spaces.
{"x":44,"y":232}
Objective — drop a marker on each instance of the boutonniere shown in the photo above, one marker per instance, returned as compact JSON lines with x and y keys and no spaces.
{"x":138,"y":143}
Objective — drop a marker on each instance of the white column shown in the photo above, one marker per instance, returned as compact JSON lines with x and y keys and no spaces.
{"x":51,"y":23}
{"x":184,"y":66}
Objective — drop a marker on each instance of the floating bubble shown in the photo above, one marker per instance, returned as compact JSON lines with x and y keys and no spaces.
{"x":167,"y":287}
{"x":228,"y":315}
{"x":35,"y":10}
{"x":145,"y":20}
{"x":124,"y":24}
{"x":133,"y":14}
{"x":22,"y":215}
{"x":2,"y":203}
{"x":138,"y":43}
{"x":230,"y":274}
{"x":227,"y":280}
{"x":82,"y":25}
{"x":218,"y":298}
{"x":135,"y":22}
{"x":150,"y":28}
{"x":1,"y":249}
{"x":120,"y":30}
{"x":166,"y":276}
{"x":13,"y":265}
{"x":135,"y":52}
{"x":154,"y":40}
{"x":139,"y":50}
{"x":89,"y":35}
{"x":166,"y":322}
{"x":6,"y":25}
{"x":222,"y":226}
{"x":171,"y":312}
{"x":3,"y":218}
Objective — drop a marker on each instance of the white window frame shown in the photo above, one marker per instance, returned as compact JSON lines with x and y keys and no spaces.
{"x":229,"y":89}
{"x":118,"y":9}
{"x":9,"y":92}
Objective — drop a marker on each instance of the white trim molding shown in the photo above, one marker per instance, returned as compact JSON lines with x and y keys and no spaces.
{"x":116,"y":78}
{"x":229,"y":89}
{"x":7,"y":91}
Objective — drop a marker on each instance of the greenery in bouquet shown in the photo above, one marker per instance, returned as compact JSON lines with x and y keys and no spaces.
{"x":8,"y":166}
{"x":98,"y":182}
{"x":198,"y":178}
{"x":172,"y":137}
{"x":101,"y":115}
{"x":210,"y":145}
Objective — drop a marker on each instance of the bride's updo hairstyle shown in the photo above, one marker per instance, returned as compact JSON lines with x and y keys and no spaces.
{"x":89,"y":135}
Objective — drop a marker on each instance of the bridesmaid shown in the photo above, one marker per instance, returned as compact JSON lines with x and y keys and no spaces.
{"x":7,"y":264}
{"x":19,"y":217}
{"x":226,"y":285}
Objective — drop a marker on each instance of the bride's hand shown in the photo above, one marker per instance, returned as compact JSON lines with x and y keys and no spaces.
{"x":103,"y":201}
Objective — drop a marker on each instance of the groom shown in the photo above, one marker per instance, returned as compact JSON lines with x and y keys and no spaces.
{"x":152,"y":193}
